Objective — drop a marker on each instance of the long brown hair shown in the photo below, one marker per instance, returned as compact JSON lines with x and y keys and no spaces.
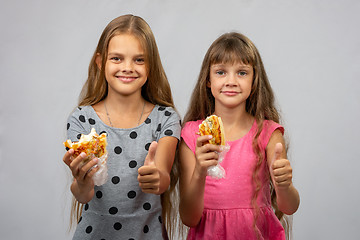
{"x":230,"y":48}
{"x":156,"y":89}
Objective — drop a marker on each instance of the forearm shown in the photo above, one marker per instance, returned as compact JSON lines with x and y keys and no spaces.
{"x":192,"y":200}
{"x":288,"y":199}
{"x":82,"y":195}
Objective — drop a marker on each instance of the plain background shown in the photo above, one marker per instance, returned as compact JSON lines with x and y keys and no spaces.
{"x":311,"y":51}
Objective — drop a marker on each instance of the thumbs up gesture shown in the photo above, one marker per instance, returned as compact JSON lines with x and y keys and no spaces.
{"x":149,"y":174}
{"x":280,"y":169}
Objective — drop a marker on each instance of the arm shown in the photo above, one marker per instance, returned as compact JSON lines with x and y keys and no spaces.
{"x":288,"y":198}
{"x":82,"y":186}
{"x":193,"y":170}
{"x":154,"y":176}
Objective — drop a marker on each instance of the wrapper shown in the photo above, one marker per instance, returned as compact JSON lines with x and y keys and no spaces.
{"x":101,"y":175}
{"x":218,"y":171}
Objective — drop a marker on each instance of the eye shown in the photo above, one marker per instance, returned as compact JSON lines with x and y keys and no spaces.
{"x":242,"y":73}
{"x":140,"y":60}
{"x":115,"y":59}
{"x":220,"y":72}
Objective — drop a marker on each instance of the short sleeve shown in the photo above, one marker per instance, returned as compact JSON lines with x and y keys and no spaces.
{"x":188,"y":134}
{"x":170,"y":126}
{"x":77,"y":124}
{"x":268,"y":128}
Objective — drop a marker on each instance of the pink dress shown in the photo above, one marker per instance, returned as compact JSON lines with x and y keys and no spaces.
{"x":228,"y":212}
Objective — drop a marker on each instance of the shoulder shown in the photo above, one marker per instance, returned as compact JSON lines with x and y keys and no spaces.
{"x":80,"y":121}
{"x":269,"y":127}
{"x":191,"y":126}
{"x":165,"y":121}
{"x":166,"y":112}
{"x":189,"y":133}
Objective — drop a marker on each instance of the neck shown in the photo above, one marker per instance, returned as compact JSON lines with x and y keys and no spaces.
{"x":121,"y":104}
{"x":236,"y":118}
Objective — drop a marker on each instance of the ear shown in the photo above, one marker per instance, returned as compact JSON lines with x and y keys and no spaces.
{"x":98,"y":60}
{"x":208,"y":83}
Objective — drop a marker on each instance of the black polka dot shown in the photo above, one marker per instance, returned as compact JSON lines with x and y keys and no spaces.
{"x":148,"y":120}
{"x":146,"y":229}
{"x":78,"y":136}
{"x":168,"y":132}
{"x":167,"y":113}
{"x":115,"y":180}
{"x":133,"y":135}
{"x":92,"y":121}
{"x":161,"y":108}
{"x":68,"y":126}
{"x":102,"y":132}
{"x":147,"y":146}
{"x":82,"y":118}
{"x":131,"y":239}
{"x":160,"y":219}
{"x":86,"y":207}
{"x":80,"y":219}
{"x":159,"y":127}
{"x":79,"y":108}
{"x":113,"y":210}
{"x":131,"y":194}
{"x":99,"y":194}
{"x":67,"y":149}
{"x":147,"y":206}
{"x":88,"y":229}
{"x":117,"y":150}
{"x":117,"y":226}
{"x":132,"y":164}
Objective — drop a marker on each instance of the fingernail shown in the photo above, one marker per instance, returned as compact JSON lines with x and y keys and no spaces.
{"x":83,"y":154}
{"x":96,"y":160}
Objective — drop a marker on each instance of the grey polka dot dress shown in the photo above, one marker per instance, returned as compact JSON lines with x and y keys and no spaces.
{"x":119,"y":209}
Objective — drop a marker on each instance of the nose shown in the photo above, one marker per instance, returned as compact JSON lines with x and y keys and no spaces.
{"x":128,"y":67}
{"x":231,"y":80}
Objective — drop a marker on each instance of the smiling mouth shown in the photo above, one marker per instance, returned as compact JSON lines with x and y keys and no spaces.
{"x":230,"y":93}
{"x":126,"y":79}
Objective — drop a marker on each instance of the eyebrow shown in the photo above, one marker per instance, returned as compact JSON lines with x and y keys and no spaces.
{"x":121,"y":54}
{"x":223,"y":65}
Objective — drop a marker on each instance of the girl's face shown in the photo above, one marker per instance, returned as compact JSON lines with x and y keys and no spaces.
{"x":125,"y":68}
{"x":231,"y":83}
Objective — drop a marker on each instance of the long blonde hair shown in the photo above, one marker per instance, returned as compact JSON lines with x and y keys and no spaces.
{"x":156,"y":89}
{"x":230,"y":48}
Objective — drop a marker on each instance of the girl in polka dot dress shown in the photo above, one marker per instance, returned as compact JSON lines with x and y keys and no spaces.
{"x":126,"y":95}
{"x":257,"y":190}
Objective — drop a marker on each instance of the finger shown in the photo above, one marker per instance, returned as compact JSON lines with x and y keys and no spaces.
{"x":67,"y":157}
{"x":86,"y":168}
{"x":147,"y":170}
{"x":147,"y":179}
{"x":209,"y":148}
{"x":203,"y":140}
{"x":150,"y":190}
{"x":150,"y":157}
{"x":91,"y":173}
{"x":78,"y":160}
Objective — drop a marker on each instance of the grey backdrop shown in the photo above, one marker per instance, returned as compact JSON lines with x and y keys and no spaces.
{"x":311,"y":53}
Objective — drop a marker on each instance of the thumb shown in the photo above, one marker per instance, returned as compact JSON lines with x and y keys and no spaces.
{"x":150,"y":157}
{"x":277,"y":152}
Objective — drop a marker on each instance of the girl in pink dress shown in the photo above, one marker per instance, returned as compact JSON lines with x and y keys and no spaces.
{"x":251,"y":200}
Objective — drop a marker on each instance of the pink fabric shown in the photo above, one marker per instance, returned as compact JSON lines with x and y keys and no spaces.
{"x":228,"y":212}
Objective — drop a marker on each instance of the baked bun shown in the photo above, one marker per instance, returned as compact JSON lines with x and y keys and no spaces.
{"x":93,"y":144}
{"x":213,"y":125}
